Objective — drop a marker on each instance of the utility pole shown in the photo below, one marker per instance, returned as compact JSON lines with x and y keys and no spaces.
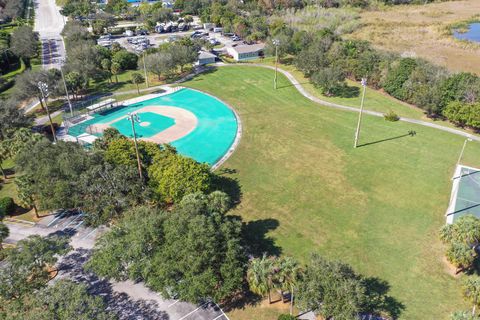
{"x":145,"y":70}
{"x":66,"y":91}
{"x":276,"y":43}
{"x":133,"y":117}
{"x":43,"y":87}
{"x":357,"y":133}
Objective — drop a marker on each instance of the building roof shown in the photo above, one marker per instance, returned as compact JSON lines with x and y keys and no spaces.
{"x":249,"y":48}
{"x":206,"y":55}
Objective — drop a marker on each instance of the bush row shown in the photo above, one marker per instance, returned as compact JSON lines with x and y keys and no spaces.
{"x":328,"y":60}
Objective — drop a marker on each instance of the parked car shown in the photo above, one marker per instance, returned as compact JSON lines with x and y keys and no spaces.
{"x":105,"y":37}
{"x":236,"y":38}
{"x":217,"y":29}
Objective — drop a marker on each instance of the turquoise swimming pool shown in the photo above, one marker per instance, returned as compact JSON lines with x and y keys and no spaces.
{"x":208,"y":142}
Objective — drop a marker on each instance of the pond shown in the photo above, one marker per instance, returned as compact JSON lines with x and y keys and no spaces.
{"x":473,"y":33}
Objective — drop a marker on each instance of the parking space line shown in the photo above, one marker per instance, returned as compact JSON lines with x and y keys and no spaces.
{"x":88,"y":234}
{"x":78,"y":225}
{"x":67,"y":220}
{"x":173,"y":303}
{"x":59,"y":216}
{"x":193,"y":311}
{"x":218,"y":316}
{"x":79,"y":216}
{"x":223,"y":313}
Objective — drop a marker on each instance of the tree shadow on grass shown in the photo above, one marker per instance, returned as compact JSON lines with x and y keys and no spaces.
{"x":242,"y":300}
{"x":256,"y":239}
{"x":378,"y":302}
{"x":198,"y":76}
{"x":347,"y":91}
{"x":224,"y":182}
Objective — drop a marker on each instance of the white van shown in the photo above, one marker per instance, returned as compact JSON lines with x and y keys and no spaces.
{"x":217,"y":29}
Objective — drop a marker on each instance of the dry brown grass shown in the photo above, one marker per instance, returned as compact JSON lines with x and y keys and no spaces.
{"x":421,"y":31}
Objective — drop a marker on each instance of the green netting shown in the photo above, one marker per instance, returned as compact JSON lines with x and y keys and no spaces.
{"x":468,"y":194}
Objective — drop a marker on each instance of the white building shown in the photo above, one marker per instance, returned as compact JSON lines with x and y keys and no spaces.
{"x":246,"y":52}
{"x":205,"y":57}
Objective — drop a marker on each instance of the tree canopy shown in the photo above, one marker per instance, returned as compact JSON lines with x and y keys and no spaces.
{"x":191,"y":253}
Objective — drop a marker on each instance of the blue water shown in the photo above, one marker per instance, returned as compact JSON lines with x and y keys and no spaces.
{"x":473,"y":33}
{"x":208,"y":142}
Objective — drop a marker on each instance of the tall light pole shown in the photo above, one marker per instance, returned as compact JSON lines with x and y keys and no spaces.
{"x":276,"y":43}
{"x":145,"y":69}
{"x":357,"y":133}
{"x":133,"y":117}
{"x":43,"y":87}
{"x":66,"y":90}
{"x":463,"y":149}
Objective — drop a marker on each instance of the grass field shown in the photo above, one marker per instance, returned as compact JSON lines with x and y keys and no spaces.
{"x":378,"y":207}
{"x":421,"y":30}
{"x":375,"y":100}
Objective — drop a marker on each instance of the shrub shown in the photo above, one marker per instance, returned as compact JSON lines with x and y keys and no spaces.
{"x":391,"y":116}
{"x":286,"y":317}
{"x":7,"y":206}
{"x":463,"y":114}
{"x":126,"y":60}
{"x":398,"y":74}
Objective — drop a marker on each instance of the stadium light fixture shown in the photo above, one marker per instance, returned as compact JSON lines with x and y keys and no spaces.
{"x":276,"y":43}
{"x":463,"y":150}
{"x":134,"y":117}
{"x":43,"y":87}
{"x":145,"y":69}
{"x":357,"y":132}
{"x":62,"y":61}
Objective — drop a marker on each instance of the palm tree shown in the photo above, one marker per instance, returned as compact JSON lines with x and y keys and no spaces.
{"x":115,"y":70}
{"x":260,"y":276}
{"x":471,"y":291}
{"x":3,"y":157}
{"x":26,"y":194}
{"x":4,"y":233}
{"x":137,"y":78}
{"x":288,"y":274}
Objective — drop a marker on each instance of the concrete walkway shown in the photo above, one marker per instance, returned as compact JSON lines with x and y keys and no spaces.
{"x":307,"y":95}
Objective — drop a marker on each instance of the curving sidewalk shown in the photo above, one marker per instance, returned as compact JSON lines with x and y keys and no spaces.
{"x":307,"y":95}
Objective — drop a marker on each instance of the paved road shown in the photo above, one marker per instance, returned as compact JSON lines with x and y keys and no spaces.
{"x":49,"y":24}
{"x":130,"y":301}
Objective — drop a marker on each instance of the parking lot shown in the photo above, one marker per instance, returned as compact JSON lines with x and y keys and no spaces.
{"x":139,"y":43}
{"x":128,"y":300}
{"x":53,"y":52}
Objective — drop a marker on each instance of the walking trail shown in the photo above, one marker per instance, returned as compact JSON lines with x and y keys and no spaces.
{"x":307,"y":95}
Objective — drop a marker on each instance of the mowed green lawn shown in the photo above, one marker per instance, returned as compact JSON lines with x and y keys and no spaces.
{"x":378,"y":207}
